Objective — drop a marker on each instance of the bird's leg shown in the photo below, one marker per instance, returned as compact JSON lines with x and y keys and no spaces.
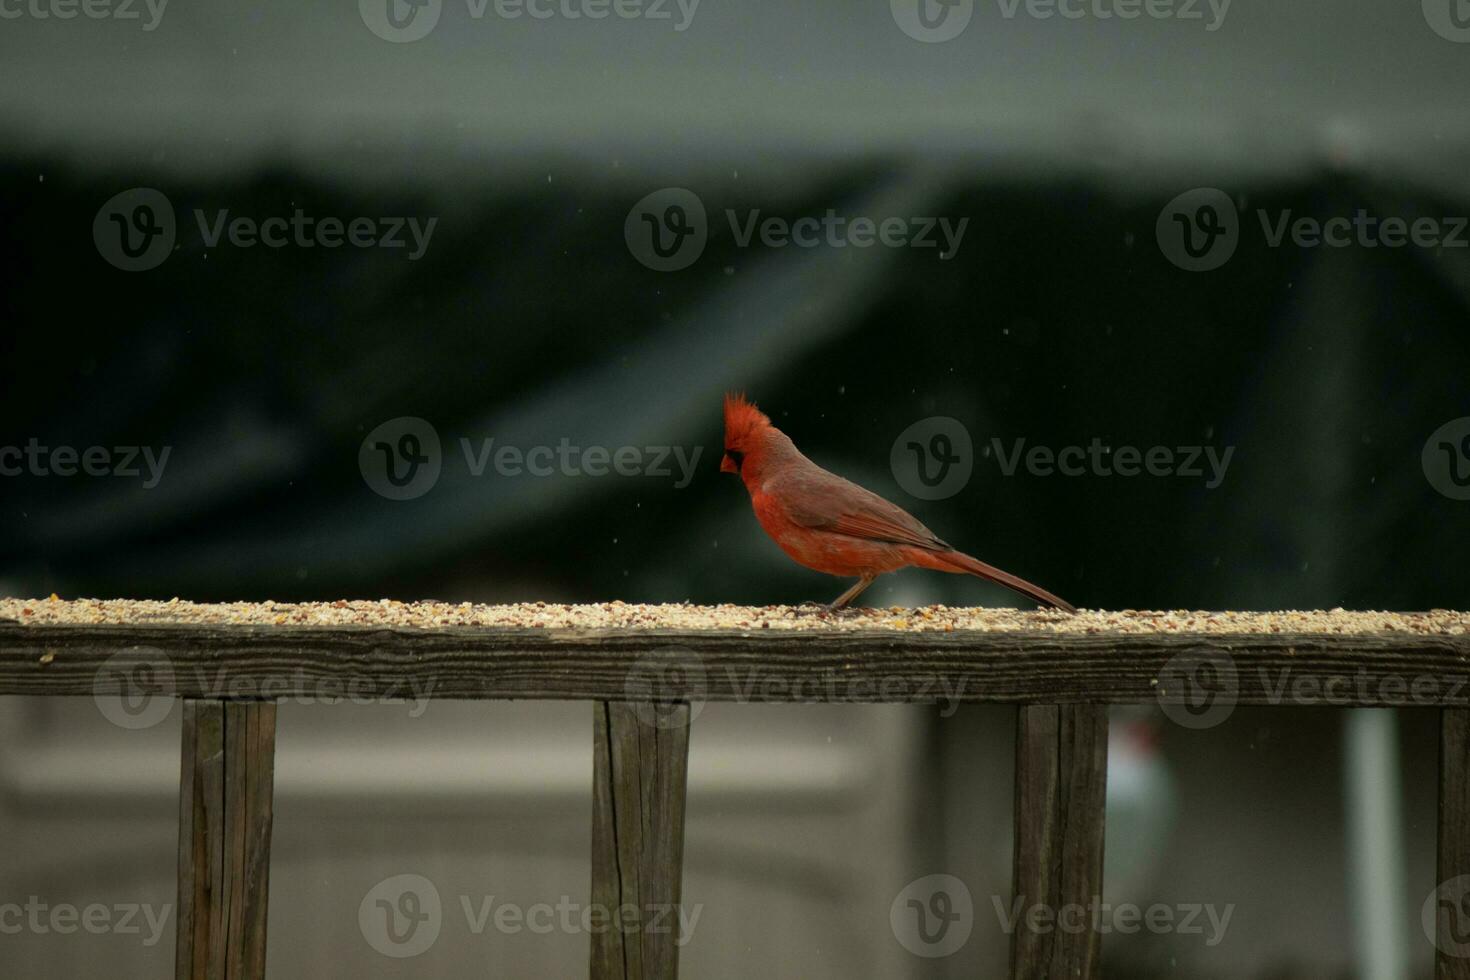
{"x":857,"y":589}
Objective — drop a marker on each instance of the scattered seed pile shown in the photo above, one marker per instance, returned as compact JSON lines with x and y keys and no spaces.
{"x":682,"y":616}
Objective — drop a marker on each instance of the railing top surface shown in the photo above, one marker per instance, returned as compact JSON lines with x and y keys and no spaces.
{"x":617,"y":651}
{"x":687,"y":618}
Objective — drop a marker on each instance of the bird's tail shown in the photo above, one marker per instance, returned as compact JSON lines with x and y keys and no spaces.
{"x":959,"y":562}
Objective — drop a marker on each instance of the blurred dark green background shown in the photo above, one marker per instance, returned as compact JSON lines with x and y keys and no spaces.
{"x":528,"y":320}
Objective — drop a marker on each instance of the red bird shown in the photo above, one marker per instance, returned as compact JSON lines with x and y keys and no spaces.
{"x":832,"y":525}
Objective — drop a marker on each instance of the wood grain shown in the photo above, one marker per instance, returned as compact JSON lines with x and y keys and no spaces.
{"x":1451,"y":901}
{"x":640,"y":769}
{"x":1061,"y":789}
{"x":225,"y":815}
{"x":323,"y":663}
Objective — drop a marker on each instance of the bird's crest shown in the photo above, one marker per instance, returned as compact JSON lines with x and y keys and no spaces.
{"x":742,"y":419}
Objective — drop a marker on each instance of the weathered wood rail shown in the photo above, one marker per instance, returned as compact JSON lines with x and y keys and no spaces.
{"x":1062,"y":675}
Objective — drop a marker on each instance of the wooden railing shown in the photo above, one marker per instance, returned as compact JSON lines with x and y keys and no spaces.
{"x":642,"y":680}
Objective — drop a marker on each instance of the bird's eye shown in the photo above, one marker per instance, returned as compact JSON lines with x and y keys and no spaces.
{"x":736,"y":455}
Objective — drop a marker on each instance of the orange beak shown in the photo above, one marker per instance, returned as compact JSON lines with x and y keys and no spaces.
{"x":727,"y":465}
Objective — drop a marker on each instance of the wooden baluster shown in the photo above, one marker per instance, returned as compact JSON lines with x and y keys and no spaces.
{"x":225,"y":792}
{"x":1061,"y":787}
{"x":1452,"y":894}
{"x":639,"y":777}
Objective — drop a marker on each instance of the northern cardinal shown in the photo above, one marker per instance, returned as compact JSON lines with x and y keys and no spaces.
{"x":833,"y":525}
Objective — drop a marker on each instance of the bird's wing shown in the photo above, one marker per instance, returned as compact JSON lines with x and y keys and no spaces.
{"x":827,"y":502}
